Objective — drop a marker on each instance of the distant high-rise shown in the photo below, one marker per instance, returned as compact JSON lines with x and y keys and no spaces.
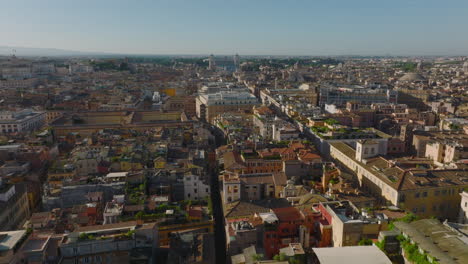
{"x":237,"y":61}
{"x":211,"y":62}
{"x":465,"y":67}
{"x":419,"y":67}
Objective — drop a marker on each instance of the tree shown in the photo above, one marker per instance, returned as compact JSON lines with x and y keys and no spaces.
{"x":280,"y":257}
{"x":210,"y":205}
{"x":257,"y":257}
{"x":331,"y":121}
{"x":294,"y":261}
{"x":408,"y":218}
{"x":139,"y":215}
{"x":365,"y":242}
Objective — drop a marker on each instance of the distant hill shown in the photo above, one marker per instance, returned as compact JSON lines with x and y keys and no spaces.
{"x":22,"y":51}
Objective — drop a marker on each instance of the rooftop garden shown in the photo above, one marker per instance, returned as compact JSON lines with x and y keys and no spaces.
{"x":86,"y":236}
{"x":179,"y":215}
{"x":136,"y":194}
{"x":413,"y":253}
{"x":320,"y":129}
{"x":331,"y":121}
{"x":283,"y":143}
{"x":249,"y":155}
{"x":342,"y":132}
{"x":272,"y":157}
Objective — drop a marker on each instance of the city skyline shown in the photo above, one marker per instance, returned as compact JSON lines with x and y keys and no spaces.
{"x":263,"y":132}
{"x":417,"y":28}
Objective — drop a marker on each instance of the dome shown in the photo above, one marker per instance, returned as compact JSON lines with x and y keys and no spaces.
{"x":412,"y":77}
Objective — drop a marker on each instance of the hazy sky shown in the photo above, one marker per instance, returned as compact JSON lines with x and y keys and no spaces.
{"x":287,"y":27}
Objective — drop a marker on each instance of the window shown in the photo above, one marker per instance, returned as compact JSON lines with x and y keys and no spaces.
{"x":437,"y":193}
{"x":424,"y":194}
{"x":416,"y":195}
{"x":402,"y":198}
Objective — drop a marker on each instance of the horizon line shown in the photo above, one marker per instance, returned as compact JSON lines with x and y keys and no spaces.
{"x":106,"y":53}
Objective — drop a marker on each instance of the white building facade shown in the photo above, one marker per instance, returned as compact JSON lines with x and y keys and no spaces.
{"x":21,"y":121}
{"x":195,"y":188}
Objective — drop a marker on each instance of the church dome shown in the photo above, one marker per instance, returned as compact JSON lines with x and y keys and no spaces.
{"x":412,"y":77}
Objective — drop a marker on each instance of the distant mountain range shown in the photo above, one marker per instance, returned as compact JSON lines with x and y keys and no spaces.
{"x":23,"y":51}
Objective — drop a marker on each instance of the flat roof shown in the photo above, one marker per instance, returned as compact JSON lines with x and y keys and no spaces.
{"x":36,"y":244}
{"x":438,"y":240}
{"x":12,"y":146}
{"x":117,"y":174}
{"x":9,"y":239}
{"x":352,"y":255}
{"x":107,"y":227}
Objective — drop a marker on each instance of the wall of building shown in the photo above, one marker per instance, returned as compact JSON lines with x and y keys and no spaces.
{"x":463,"y":215}
{"x":441,"y":202}
{"x":195,"y":188}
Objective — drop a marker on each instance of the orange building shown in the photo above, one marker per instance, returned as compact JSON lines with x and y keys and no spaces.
{"x":295,"y":226}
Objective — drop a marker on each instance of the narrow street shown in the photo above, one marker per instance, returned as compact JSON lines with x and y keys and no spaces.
{"x":220,"y":235}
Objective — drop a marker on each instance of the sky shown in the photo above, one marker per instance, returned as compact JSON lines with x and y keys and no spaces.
{"x":246,"y":27}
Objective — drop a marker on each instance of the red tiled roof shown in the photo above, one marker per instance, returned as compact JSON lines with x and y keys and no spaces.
{"x":297,"y":145}
{"x":195,"y":213}
{"x":309,"y":156}
{"x":287,"y":214}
